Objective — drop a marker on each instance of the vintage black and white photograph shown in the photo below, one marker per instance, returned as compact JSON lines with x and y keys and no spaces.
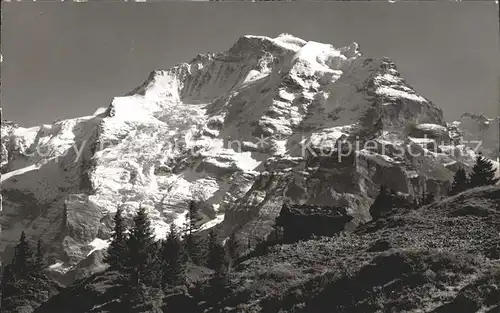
{"x":182,"y":157}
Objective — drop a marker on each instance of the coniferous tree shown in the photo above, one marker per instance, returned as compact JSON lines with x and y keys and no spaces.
{"x":483,"y":173}
{"x":144,"y":299}
{"x":460,"y":182}
{"x":200,"y":256}
{"x":233,"y":247}
{"x":219,"y":284}
{"x":215,"y":251}
{"x":190,"y":247}
{"x":40,"y":257}
{"x":117,"y":251}
{"x":218,"y":259}
{"x":64,"y":220}
{"x":8,"y":289}
{"x":22,"y":263}
{"x":220,"y":287}
{"x":24,"y":283}
{"x":142,"y":248}
{"x":40,"y":279}
{"x":142,"y":266}
{"x":193,"y":218}
{"x":193,"y":245}
{"x":173,"y":265}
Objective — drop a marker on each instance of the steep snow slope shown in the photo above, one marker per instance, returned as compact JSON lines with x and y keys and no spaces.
{"x":237,"y":131}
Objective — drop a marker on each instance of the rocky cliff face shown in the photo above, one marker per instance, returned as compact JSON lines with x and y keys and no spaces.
{"x":240,"y":132}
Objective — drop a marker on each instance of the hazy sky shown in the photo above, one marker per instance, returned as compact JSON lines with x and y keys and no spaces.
{"x":65,"y":60}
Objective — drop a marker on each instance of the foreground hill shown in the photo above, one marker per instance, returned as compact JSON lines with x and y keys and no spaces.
{"x":444,"y":257}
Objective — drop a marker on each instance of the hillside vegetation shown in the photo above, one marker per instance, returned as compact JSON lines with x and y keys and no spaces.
{"x":443,"y":257}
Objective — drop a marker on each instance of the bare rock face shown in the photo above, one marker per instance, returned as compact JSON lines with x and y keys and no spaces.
{"x":269,"y":121}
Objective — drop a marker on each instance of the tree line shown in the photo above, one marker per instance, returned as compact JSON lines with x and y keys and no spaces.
{"x":25,"y":281}
{"x":147,"y":269}
{"x":483,"y":174}
{"x":151,"y":269}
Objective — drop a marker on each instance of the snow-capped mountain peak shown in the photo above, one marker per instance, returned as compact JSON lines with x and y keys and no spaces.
{"x":237,"y":131}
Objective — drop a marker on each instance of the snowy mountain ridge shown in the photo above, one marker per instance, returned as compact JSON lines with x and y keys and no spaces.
{"x":240,"y":133}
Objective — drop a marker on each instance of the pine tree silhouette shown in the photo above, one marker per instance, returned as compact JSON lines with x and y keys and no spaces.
{"x":40,"y":264}
{"x":460,"y":182}
{"x":117,"y":251}
{"x":483,"y":173}
{"x":144,"y":299}
{"x":217,"y":256}
{"x":220,"y":285}
{"x":24,"y":282}
{"x":7,"y":286}
{"x":194,"y":217}
{"x":233,"y":248}
{"x":22,"y":264}
{"x":200,"y":255}
{"x":142,"y":251}
{"x":193,"y":245}
{"x":173,"y":266}
{"x":142,"y":267}
{"x":64,"y":220}
{"x":40,"y":277}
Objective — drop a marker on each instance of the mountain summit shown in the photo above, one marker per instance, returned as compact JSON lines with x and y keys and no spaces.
{"x":240,"y":132}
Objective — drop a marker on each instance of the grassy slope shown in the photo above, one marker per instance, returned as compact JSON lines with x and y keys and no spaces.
{"x":440,"y":258}
{"x":419,"y":261}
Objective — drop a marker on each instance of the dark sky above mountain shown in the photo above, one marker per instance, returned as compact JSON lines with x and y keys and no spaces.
{"x":64,"y":60}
